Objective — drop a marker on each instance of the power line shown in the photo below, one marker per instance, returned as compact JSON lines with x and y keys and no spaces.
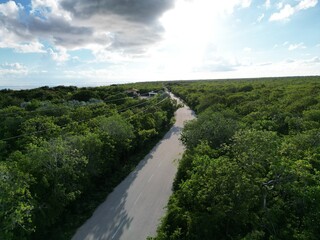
{"x":63,"y":126}
{"x":25,"y":134}
{"x":62,"y":106}
{"x":59,"y":108}
{"x":136,"y":105}
{"x":144,"y":110}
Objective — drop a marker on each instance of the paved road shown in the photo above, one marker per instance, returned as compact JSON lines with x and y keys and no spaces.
{"x":132,"y":211}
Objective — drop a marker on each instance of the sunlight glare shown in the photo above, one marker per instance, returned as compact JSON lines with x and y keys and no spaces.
{"x":189,"y":28}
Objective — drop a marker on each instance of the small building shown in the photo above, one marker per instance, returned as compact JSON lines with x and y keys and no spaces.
{"x":133,"y":92}
{"x":152,"y":94}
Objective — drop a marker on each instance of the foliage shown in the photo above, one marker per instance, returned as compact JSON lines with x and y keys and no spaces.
{"x":16,"y":202}
{"x":57,"y":144}
{"x":252,"y":165}
{"x":214,"y":127}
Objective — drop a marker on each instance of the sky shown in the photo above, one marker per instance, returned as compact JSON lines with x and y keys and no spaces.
{"x":102,"y":42}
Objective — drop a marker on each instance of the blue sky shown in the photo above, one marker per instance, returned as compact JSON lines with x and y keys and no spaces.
{"x":66,"y":42}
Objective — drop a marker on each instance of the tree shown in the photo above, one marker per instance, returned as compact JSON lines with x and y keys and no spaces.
{"x":253,"y":190}
{"x":215,"y":128}
{"x":16,"y":202}
{"x":119,"y":130}
{"x":59,"y":173}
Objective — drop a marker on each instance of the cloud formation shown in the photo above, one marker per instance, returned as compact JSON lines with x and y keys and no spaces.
{"x":112,"y":24}
{"x":143,"y":11}
{"x":59,"y":54}
{"x":23,"y":31}
{"x":296,"y":46}
{"x":154,"y":39}
{"x":313,"y":60}
{"x":260,"y":18}
{"x":288,"y":10}
{"x":13,"y":69}
{"x":58,"y":26}
{"x":267,"y":4}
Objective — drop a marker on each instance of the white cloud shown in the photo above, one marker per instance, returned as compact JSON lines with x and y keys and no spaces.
{"x":313,"y":60}
{"x":296,"y":46}
{"x":287,"y":67}
{"x":88,"y":74}
{"x":305,"y":4}
{"x":12,"y":66}
{"x":289,"y":60}
{"x":318,"y":45}
{"x":247,"y":50}
{"x":230,"y":6}
{"x":13,"y":69}
{"x":82,"y":25}
{"x":287,"y":10}
{"x":279,"y":5}
{"x":264,"y":64}
{"x":221,"y":64}
{"x":246,"y":3}
{"x":20,"y":41}
{"x":260,"y":17}
{"x":9,"y":9}
{"x":316,"y":59}
{"x":284,"y":14}
{"x":59,"y":54}
{"x":31,"y":47}
{"x":267,"y":4}
{"x":263,"y":69}
{"x":49,"y":8}
{"x":114,"y":31}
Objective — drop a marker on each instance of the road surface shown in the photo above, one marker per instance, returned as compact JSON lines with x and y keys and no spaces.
{"x":133,"y":210}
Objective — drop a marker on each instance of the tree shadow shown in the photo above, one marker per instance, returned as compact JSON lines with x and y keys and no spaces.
{"x":111,"y":219}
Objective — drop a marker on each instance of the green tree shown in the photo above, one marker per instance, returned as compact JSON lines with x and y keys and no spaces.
{"x":215,"y":128}
{"x":119,"y":130}
{"x":59,"y":173}
{"x":16,"y":202}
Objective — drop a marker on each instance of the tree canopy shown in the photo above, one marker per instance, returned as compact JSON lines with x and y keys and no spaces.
{"x":57,"y":144}
{"x":251,"y":169}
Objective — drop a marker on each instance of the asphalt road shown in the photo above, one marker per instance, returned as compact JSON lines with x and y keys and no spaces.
{"x":133,"y":210}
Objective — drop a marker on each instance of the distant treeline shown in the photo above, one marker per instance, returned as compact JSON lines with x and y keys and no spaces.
{"x":252,"y":166}
{"x":58,"y":144}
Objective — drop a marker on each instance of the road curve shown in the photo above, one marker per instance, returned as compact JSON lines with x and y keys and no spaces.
{"x":134,"y":208}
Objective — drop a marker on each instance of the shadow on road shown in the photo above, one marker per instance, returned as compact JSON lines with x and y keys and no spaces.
{"x":111,"y":218}
{"x":113,"y":212}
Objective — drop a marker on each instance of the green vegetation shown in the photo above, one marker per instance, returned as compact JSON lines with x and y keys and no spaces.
{"x":63,"y":149}
{"x":252,"y":165}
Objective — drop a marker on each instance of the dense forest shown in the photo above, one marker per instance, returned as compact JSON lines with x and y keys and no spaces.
{"x":59,"y":145}
{"x":251,"y":168}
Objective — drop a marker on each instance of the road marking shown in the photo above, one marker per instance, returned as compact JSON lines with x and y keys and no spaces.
{"x":150,"y":178}
{"x":137,"y":199}
{"x":117,"y":230}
